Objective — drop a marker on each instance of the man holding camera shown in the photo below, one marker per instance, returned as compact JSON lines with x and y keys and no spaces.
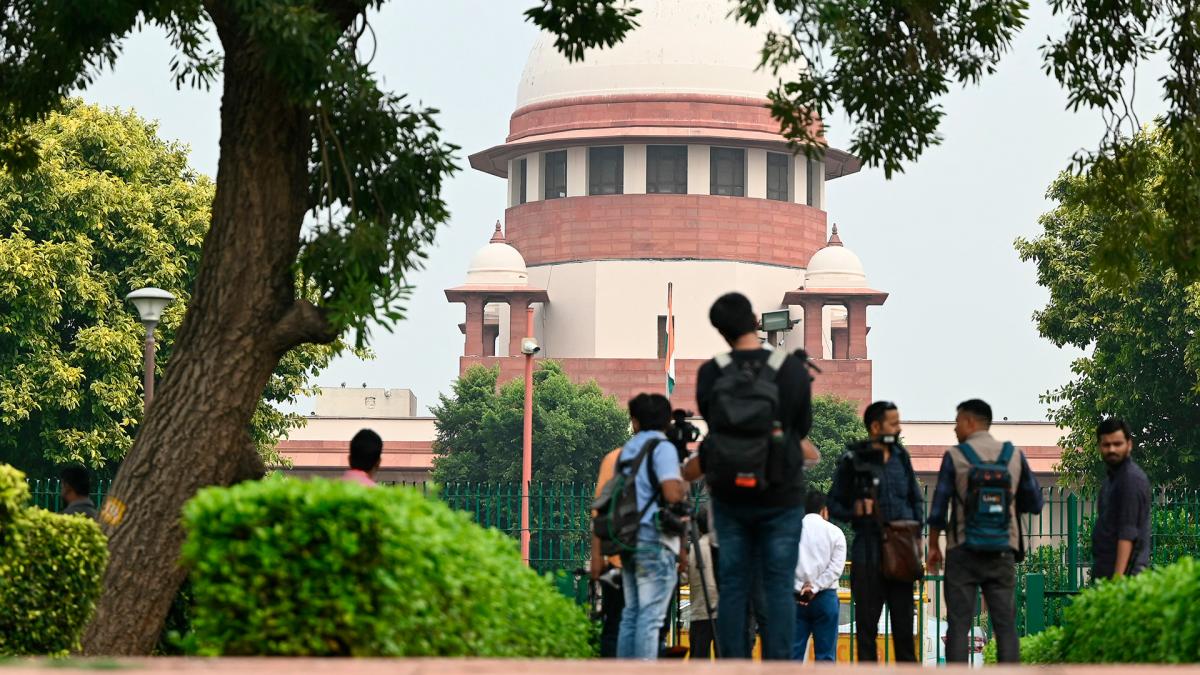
{"x":875,"y":490}
{"x":650,"y":572}
{"x":984,"y":485}
{"x":757,"y":405}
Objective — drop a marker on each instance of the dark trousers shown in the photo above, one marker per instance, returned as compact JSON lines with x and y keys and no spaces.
{"x":700,"y":639}
{"x":612,"y":604}
{"x":995,"y":574}
{"x":871,"y":592}
{"x":764,"y":541}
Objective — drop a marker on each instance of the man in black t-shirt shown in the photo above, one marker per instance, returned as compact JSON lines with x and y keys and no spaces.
{"x":1121,"y":536}
{"x":759,"y":533}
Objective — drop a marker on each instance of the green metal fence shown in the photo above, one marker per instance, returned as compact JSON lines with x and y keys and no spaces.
{"x":1057,"y":541}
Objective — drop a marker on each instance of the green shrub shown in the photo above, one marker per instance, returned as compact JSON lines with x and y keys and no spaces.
{"x":1149,"y":618}
{"x":50,"y":572}
{"x":989,"y":653}
{"x":1044,"y":648}
{"x":285,"y":567}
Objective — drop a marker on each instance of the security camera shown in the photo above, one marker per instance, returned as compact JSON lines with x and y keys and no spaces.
{"x":529,"y":347}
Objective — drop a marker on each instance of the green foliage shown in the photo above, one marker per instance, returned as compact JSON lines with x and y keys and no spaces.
{"x":50,"y":571}
{"x":479,"y":428}
{"x":836,"y":422}
{"x":1149,"y":618}
{"x":109,"y":207}
{"x":1144,"y":361}
{"x":1042,"y":649}
{"x":1051,"y":562}
{"x":287,"y":567}
{"x":989,"y":653}
{"x":581,"y":24}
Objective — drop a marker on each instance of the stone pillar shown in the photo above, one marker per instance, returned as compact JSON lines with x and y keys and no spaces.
{"x":516,"y":324}
{"x":490,"y":332}
{"x":838,"y":336}
{"x":856,"y":318}
{"x":813,"y":328}
{"x":474,"y":326}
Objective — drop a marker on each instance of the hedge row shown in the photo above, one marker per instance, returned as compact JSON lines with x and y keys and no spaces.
{"x":288,"y":567}
{"x":50,"y":571}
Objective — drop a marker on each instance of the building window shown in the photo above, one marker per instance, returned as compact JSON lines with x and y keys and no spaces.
{"x":556,"y":174}
{"x":727,"y":172}
{"x":662,"y":335}
{"x":606,"y":171}
{"x":777,"y":176}
{"x":666,"y":169}
{"x":815,"y":174}
{"x":523,"y":181}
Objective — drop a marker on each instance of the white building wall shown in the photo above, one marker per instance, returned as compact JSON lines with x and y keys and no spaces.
{"x":635,"y":170}
{"x":577,"y":172}
{"x":363,"y":402}
{"x":698,"y":170}
{"x":610,"y":308}
{"x":756,"y":173}
{"x":534,"y":191}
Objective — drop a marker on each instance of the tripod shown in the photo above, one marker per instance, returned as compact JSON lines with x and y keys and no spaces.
{"x":697,"y":551}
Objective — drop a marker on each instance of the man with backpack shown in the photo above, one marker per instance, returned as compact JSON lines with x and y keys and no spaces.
{"x":634,"y":519}
{"x":875,"y":490}
{"x":984,"y":485}
{"x":757,"y":404}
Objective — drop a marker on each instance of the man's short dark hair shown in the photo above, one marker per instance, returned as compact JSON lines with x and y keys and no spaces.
{"x":733,"y":316}
{"x":1112,"y":425}
{"x":365,"y":450}
{"x":652,"y":411}
{"x":877,"y":412}
{"x":76,"y":478}
{"x":814,"y":501}
{"x":978,"y":409}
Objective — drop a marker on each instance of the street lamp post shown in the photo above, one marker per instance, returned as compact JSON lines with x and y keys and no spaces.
{"x":150,"y":303}
{"x":529,"y":347}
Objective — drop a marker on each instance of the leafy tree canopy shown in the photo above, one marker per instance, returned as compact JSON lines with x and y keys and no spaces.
{"x":1144,"y":361}
{"x":836,"y":422}
{"x":479,"y":428}
{"x":110,"y":207}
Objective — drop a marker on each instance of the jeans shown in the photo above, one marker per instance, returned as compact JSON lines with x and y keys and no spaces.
{"x":996,"y":575}
{"x":764,"y":541}
{"x":819,"y":618}
{"x":871,"y":592}
{"x":649,"y":577}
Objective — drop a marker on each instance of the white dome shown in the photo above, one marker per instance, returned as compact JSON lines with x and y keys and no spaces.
{"x":679,"y":46}
{"x":497,"y":264}
{"x":835,"y":266}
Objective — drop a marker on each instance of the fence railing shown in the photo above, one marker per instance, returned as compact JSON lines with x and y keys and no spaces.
{"x":1057,"y":540}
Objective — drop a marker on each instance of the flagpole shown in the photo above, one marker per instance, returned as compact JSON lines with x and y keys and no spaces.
{"x":668,"y":367}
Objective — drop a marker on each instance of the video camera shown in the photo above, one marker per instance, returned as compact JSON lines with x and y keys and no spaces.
{"x":866,"y":459}
{"x":682,"y":432}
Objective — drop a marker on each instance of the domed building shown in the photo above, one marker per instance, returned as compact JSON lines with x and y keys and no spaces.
{"x":657,"y":162}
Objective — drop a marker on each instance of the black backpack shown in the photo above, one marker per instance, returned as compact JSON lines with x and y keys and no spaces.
{"x":988,"y":503}
{"x":617,"y":516}
{"x":745,"y":437}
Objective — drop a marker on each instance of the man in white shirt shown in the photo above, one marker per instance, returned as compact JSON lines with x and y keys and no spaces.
{"x":822,"y":559}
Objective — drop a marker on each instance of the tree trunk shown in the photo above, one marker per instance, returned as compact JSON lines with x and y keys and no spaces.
{"x":242,"y":318}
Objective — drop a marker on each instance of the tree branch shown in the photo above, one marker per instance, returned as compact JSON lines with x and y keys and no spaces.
{"x":303,"y":322}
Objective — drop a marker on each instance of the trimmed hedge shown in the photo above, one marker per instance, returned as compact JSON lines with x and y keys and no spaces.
{"x":1149,"y":618}
{"x":50,"y":572}
{"x":289,"y":567}
{"x":1043,"y":648}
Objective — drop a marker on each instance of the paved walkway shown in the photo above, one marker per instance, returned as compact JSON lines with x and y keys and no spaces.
{"x":271,"y":666}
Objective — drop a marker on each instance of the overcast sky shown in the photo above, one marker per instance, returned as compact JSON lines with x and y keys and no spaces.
{"x":958,"y":322}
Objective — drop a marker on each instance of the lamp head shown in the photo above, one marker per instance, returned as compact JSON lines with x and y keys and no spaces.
{"x":529,"y":346}
{"x":150,"y":303}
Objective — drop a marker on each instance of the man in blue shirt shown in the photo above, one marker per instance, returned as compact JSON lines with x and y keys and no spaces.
{"x":980,"y":565}
{"x":897,"y":497}
{"x":649,"y":573}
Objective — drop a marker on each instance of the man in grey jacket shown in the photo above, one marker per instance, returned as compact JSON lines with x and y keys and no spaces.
{"x":975,"y":563}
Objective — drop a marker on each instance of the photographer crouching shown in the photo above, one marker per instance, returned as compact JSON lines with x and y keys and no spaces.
{"x":875,"y":490}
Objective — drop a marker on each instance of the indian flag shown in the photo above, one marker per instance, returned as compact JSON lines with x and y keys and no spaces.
{"x":670,"y":365}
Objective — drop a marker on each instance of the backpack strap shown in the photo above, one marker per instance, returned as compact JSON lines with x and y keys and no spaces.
{"x":773,"y":364}
{"x":724,"y":362}
{"x":655,"y":487}
{"x":1006,"y":453}
{"x":969,"y":453}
